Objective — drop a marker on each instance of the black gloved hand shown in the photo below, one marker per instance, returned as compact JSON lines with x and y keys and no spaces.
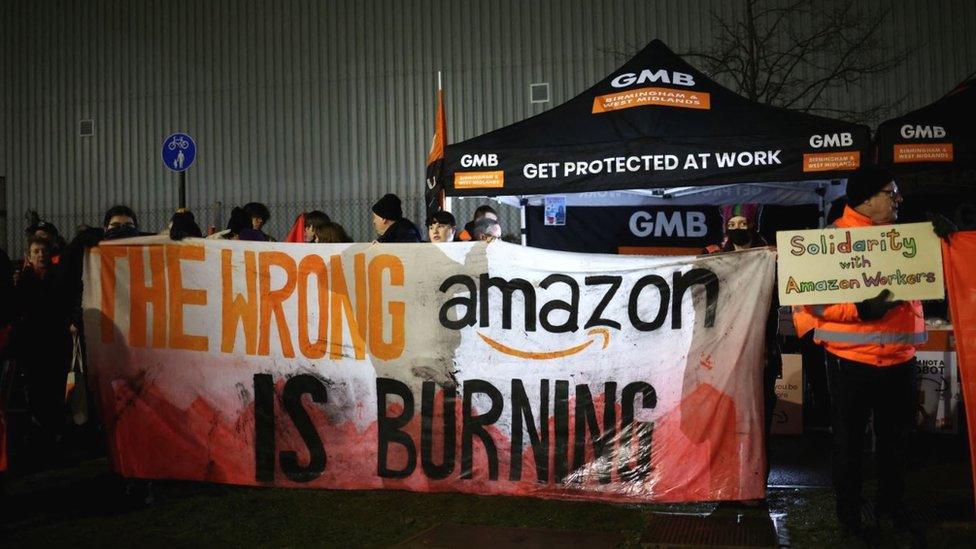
{"x":944,"y":227}
{"x":876,"y":307}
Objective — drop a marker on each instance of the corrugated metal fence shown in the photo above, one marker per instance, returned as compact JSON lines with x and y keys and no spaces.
{"x":299,"y":103}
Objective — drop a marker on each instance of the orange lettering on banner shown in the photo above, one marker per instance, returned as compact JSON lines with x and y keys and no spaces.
{"x":238,"y":308}
{"x":341,"y":307}
{"x":106,"y":272}
{"x":271,"y":301}
{"x":180,"y":296}
{"x":377,"y":346}
{"x":313,"y":265}
{"x":141,"y":295}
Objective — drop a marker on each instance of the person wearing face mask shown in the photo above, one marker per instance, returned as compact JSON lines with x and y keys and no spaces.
{"x":741,"y":234}
{"x":118,"y":222}
{"x":740,"y":228}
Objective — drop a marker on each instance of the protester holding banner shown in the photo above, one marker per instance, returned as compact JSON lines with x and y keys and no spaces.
{"x":389,"y":223}
{"x":184,"y":225}
{"x":486,"y":229}
{"x":740,"y":229}
{"x":331,"y":233}
{"x":871,"y":367}
{"x":741,"y":233}
{"x":259,"y":217}
{"x":314,"y":221}
{"x":441,"y":227}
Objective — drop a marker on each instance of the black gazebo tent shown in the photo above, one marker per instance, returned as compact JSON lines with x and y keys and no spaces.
{"x":656,"y":122}
{"x":938,"y":138}
{"x":932,"y":152}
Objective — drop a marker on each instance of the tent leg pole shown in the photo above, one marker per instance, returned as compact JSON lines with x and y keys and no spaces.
{"x":448,"y":204}
{"x":522,"y":229}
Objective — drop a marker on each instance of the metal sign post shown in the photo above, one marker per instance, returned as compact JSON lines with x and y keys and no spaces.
{"x":178,"y":153}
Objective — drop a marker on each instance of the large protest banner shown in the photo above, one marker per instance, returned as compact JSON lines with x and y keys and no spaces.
{"x":491,"y":369}
{"x":823,"y":266}
{"x":960,"y":270}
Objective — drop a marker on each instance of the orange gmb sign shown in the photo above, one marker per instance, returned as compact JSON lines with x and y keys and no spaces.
{"x":479,"y":180}
{"x":923,"y":152}
{"x":829,"y":161}
{"x":661,"y":97}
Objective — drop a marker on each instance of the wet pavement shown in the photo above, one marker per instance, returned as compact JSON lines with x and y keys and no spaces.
{"x":42,"y":508}
{"x":800,"y":461}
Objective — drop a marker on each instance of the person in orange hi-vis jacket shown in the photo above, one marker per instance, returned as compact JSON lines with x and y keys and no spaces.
{"x":870,"y":350}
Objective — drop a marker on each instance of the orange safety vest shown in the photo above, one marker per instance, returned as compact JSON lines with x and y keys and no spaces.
{"x":887,"y":341}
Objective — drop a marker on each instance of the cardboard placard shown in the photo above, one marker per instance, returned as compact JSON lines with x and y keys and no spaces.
{"x":823,"y":266}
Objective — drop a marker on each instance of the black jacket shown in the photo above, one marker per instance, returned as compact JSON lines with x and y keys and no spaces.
{"x":402,"y":230}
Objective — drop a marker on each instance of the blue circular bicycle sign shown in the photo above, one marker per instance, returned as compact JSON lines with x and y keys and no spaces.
{"x":179,"y":152}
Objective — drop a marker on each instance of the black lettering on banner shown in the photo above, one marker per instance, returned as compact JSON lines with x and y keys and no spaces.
{"x":292,"y":394}
{"x":475,"y":426}
{"x":572,"y":322}
{"x":596,"y":319}
{"x":586,"y":421}
{"x":684,"y":281}
{"x":470,"y":303}
{"x":508,"y":289}
{"x":538,"y":437}
{"x":431,"y":469}
{"x":633,"y":308}
{"x":389,"y":428}
{"x":561,"y":423}
{"x":264,"y":428}
{"x":628,"y":428}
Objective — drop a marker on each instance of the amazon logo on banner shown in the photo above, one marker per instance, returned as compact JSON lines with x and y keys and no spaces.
{"x":473,"y":304}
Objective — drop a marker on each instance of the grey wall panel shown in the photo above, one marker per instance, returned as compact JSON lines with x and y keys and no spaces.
{"x":305,"y":103}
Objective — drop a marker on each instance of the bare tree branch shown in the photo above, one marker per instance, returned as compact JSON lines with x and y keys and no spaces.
{"x":791,"y":54}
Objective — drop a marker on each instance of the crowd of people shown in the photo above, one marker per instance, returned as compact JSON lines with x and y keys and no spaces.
{"x":41,"y":293}
{"x":867,"y":345}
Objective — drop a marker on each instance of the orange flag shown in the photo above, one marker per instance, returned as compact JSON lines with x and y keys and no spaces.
{"x":297,"y":232}
{"x":434,"y":193}
{"x":960,"y":272}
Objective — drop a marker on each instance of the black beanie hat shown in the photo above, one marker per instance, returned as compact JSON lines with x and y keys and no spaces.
{"x":388,"y":207}
{"x":865,"y":183}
